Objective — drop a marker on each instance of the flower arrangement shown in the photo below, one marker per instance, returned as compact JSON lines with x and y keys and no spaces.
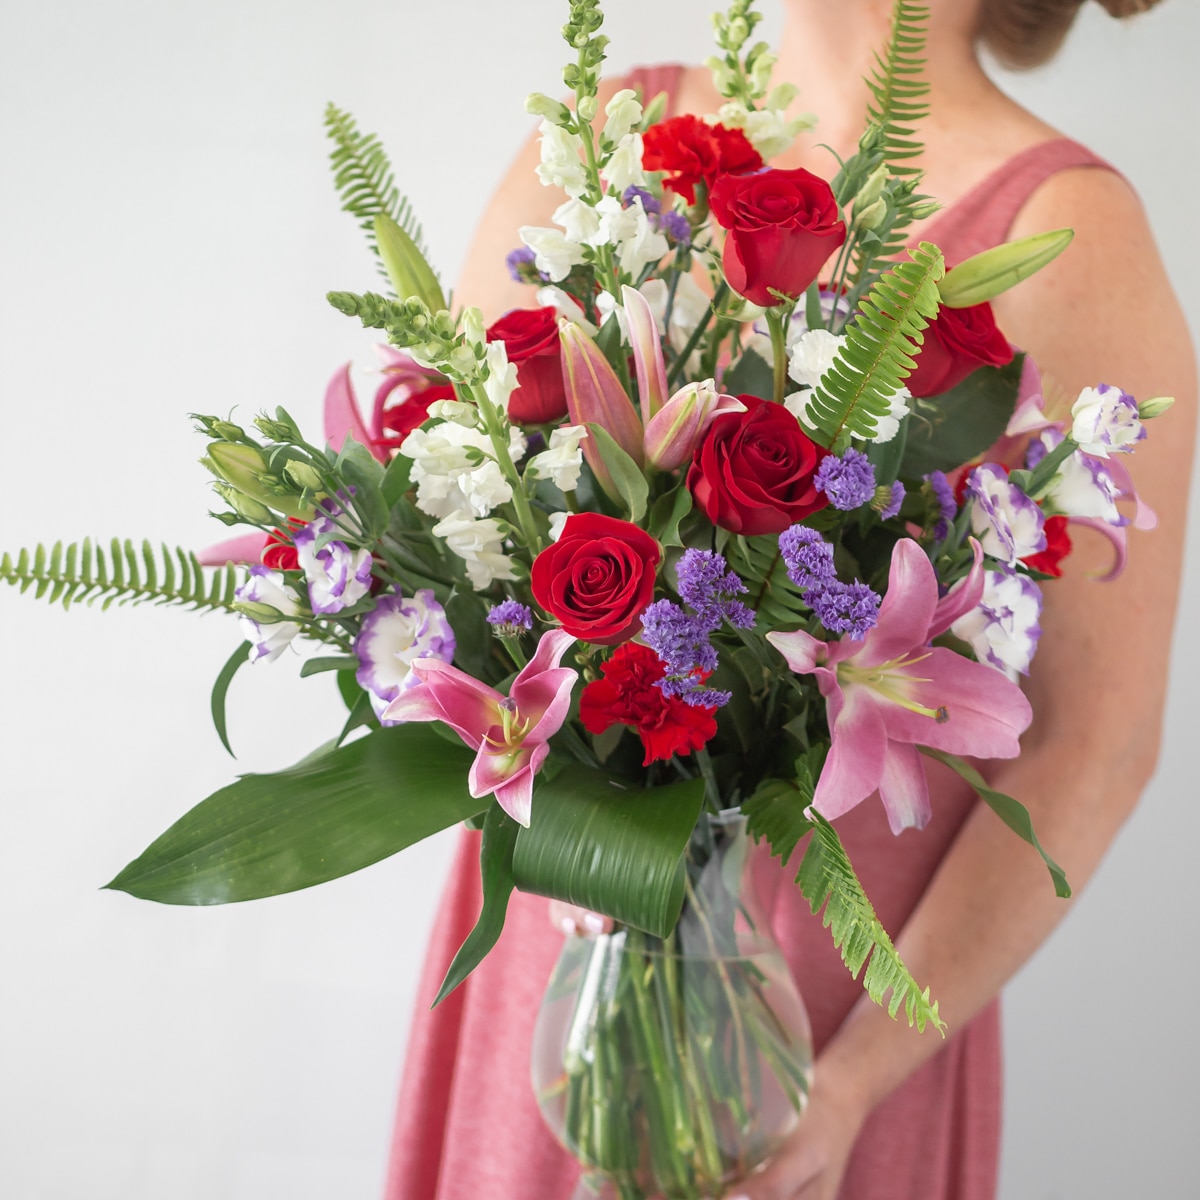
{"x":751,"y":511}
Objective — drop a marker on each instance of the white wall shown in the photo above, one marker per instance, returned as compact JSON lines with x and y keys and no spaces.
{"x":167,"y":233}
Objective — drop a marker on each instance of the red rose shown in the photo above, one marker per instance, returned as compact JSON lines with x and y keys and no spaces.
{"x":957,"y":342}
{"x":530,"y":337}
{"x":753,"y":473}
{"x":597,"y":578}
{"x":667,"y":725}
{"x":398,"y":421}
{"x":1058,"y":546}
{"x":782,"y":225}
{"x":691,"y":151}
{"x":279,"y":553}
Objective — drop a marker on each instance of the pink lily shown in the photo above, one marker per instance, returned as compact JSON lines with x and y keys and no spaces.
{"x":674,"y":432}
{"x":510,"y":733}
{"x":647,"y":352}
{"x":893,"y":692}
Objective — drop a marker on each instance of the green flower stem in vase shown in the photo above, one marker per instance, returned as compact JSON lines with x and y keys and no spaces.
{"x":671,"y":1067}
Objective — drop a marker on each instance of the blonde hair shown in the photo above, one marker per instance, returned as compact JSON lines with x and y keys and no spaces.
{"x":1027,"y":33}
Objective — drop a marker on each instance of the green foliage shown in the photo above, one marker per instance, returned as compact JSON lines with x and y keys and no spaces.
{"x":877,"y":356}
{"x":125,"y":574}
{"x":628,"y":478}
{"x":772,"y":594}
{"x":333,"y":813}
{"x":898,"y":87}
{"x":221,"y":688}
{"x":364,"y":180}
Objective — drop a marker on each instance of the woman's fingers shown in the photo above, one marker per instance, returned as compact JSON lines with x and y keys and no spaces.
{"x":578,"y":922}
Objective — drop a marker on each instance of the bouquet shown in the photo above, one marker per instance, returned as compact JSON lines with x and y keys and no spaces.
{"x":744,"y":519}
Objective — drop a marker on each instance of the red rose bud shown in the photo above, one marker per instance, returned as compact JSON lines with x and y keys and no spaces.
{"x":1058,"y":546}
{"x":690,"y":151}
{"x":597,"y":578}
{"x":753,"y":473}
{"x":957,"y":342}
{"x":530,"y":337}
{"x":783,"y":226}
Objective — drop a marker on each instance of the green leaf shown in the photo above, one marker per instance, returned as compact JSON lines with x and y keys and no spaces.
{"x":361,"y":713}
{"x":948,"y":430}
{"x":886,"y":457}
{"x":775,"y":812}
{"x":321,"y":819}
{"x":397,"y":479}
{"x":1012,"y":812}
{"x":627,"y":476}
{"x":751,"y":375}
{"x":666,"y":513}
{"x":333,"y":662}
{"x":364,"y":473}
{"x":827,"y":879}
{"x":611,"y":849}
{"x":899,"y":87}
{"x":496,"y":871}
{"x":473,"y":640}
{"x":221,"y":688}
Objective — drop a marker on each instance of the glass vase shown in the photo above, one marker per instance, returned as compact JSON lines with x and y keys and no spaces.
{"x":671,"y":1067}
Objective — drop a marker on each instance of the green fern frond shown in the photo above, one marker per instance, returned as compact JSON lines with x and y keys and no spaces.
{"x":876,"y":359}
{"x":827,"y":879}
{"x":363,"y":177}
{"x":83,"y":572}
{"x":898,"y":86}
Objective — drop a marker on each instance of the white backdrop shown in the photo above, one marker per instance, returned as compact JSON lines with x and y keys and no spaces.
{"x":167,"y":233}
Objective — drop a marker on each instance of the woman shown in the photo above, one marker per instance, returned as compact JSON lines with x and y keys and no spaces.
{"x":892,"y":1113}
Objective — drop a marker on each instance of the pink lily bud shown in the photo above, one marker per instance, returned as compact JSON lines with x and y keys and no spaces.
{"x":674,"y":432}
{"x":647,"y":352}
{"x":594,"y":393}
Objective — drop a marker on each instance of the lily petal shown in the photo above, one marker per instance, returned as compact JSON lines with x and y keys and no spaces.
{"x":963,"y":597}
{"x":1117,"y":535}
{"x":804,"y":653}
{"x":245,"y":549}
{"x":447,"y":694}
{"x":907,"y":610}
{"x":904,"y":789}
{"x":857,"y":756}
{"x":647,"y":352}
{"x":342,"y":414}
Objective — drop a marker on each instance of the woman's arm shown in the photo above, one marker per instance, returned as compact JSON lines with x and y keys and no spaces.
{"x":1104,"y":312}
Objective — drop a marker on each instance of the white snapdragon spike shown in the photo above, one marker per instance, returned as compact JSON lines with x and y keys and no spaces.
{"x":268,"y":639}
{"x":554,"y":254}
{"x":558,"y":522}
{"x":1083,"y":485}
{"x":502,"y":376}
{"x":474,"y":330}
{"x":562,"y":164}
{"x":769,"y":130}
{"x":579,"y":221}
{"x":1008,"y":524}
{"x":1105,"y":421}
{"x":480,"y":544}
{"x":562,"y":461}
{"x":644,"y":245}
{"x":624,"y":167}
{"x":623,"y":113}
{"x":1004,"y":630}
{"x":566,"y":306}
{"x":458,"y":411}
{"x":454,"y":470}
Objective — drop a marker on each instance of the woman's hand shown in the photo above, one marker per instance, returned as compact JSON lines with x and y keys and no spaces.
{"x":811,"y":1163}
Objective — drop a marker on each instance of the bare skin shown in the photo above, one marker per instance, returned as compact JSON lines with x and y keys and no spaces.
{"x":1098,"y":702}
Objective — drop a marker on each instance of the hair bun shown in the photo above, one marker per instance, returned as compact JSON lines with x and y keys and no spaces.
{"x":1126,"y":8}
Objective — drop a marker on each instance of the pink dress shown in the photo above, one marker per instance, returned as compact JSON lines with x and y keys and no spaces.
{"x":467,"y":1127}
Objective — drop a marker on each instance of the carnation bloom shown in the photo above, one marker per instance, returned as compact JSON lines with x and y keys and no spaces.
{"x":893,"y":692}
{"x":691,"y":151}
{"x":629,"y":694}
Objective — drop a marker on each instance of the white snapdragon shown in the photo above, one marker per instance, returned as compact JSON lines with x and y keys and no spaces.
{"x":454,"y":470}
{"x":558,"y":522}
{"x":562,"y":461}
{"x":554,"y":254}
{"x":1004,"y":630}
{"x":770,"y":131}
{"x":624,"y":167}
{"x":638,"y":243}
{"x":480,"y":544}
{"x":562,"y":164}
{"x":1105,"y":420}
{"x":579,"y":220}
{"x":623,"y":113}
{"x":458,"y":411}
{"x":502,"y":376}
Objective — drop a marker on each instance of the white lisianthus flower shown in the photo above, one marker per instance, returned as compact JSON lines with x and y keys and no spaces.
{"x":579,"y":220}
{"x":268,"y":638}
{"x":562,"y":461}
{"x":480,"y":544}
{"x":502,"y":376}
{"x":624,"y":167}
{"x":1082,"y":486}
{"x":1105,"y":420}
{"x":1004,"y":630}
{"x":623,"y":112}
{"x":1008,"y":524}
{"x":554,"y":254}
{"x":562,"y":164}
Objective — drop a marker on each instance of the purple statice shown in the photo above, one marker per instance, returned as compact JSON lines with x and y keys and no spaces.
{"x":849,"y":608}
{"x":394,"y":634}
{"x":675,"y":225}
{"x":651,"y":204}
{"x":807,"y":556}
{"x":943,"y":493}
{"x":707,"y":585}
{"x":337,"y":576}
{"x":681,"y":641}
{"x":890,"y":500}
{"x":1036,"y":451}
{"x":510,"y":618}
{"x":520,"y":263}
{"x":849,"y":481}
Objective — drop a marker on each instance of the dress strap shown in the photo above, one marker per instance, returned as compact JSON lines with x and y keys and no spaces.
{"x":984,"y":217}
{"x":660,"y":77}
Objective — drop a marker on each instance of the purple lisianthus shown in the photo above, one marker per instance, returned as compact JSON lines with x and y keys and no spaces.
{"x":1105,"y":420}
{"x":337,"y":576}
{"x":394,"y":634}
{"x":510,"y":618}
{"x":1009,"y":525}
{"x":268,"y":638}
{"x":1083,"y":486}
{"x":706,"y":584}
{"x":849,"y":481}
{"x":1004,"y":629}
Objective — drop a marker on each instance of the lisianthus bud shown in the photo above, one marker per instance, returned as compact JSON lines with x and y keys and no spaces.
{"x":303,"y":475}
{"x":1155,"y":407}
{"x":244,"y":506}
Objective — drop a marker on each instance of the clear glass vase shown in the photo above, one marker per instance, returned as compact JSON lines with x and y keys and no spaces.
{"x":671,"y":1067}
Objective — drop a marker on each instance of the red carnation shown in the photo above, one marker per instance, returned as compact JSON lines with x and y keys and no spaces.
{"x":1058,"y":546}
{"x":957,"y":342}
{"x":691,"y":151}
{"x":627,"y":694}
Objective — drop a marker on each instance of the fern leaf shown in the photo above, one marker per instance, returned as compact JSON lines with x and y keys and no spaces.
{"x":898,"y":86}
{"x":827,"y":879}
{"x":363,"y":177}
{"x":876,"y":359}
